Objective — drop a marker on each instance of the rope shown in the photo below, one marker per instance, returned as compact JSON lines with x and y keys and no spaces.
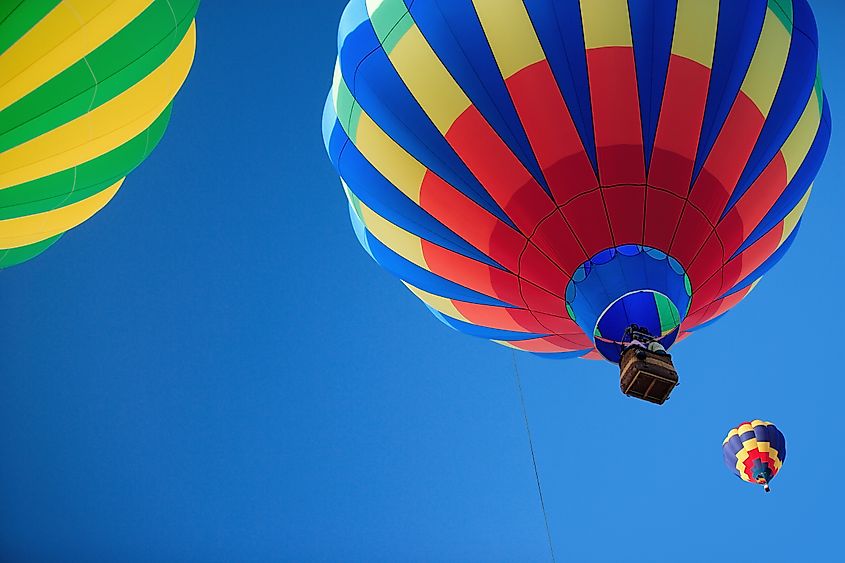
{"x":533,"y":457}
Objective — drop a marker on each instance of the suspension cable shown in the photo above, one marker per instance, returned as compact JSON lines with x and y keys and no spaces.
{"x":533,"y":457}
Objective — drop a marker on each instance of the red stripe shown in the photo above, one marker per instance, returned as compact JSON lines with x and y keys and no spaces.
{"x":679,"y":127}
{"x":703,"y":296}
{"x":616,"y":115}
{"x":470,"y":222}
{"x":752,"y":257}
{"x":593,"y":355}
{"x":498,"y":170}
{"x":543,"y":322}
{"x":693,"y":230}
{"x":538,"y":300}
{"x":587,"y":216}
{"x":710,"y":259}
{"x":663,"y":211}
{"x":728,"y":157}
{"x":548,"y":344}
{"x":626,"y":209}
{"x":563,"y":326}
{"x":551,"y":132}
{"x":556,"y":239}
{"x":472,"y":274}
{"x":755,"y":203}
{"x":498,"y":317}
{"x":536,"y":267}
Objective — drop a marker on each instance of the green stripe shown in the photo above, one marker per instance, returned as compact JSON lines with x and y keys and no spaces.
{"x":348,"y":111}
{"x":19,"y":16}
{"x":14,"y":256}
{"x":668,"y":313}
{"x":783,"y":10}
{"x":391,"y":20}
{"x":120,"y":63}
{"x":356,"y":205}
{"x":819,"y":90}
{"x":75,"y":184}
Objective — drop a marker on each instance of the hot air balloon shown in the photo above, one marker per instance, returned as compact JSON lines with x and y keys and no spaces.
{"x":559,"y":176}
{"x":755,"y":452}
{"x":85,"y":95}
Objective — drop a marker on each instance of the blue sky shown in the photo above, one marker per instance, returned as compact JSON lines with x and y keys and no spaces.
{"x":212,"y":369}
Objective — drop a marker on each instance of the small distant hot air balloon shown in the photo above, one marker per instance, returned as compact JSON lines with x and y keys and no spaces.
{"x":755,"y":452}
{"x":557,"y":175}
{"x":86,"y":88}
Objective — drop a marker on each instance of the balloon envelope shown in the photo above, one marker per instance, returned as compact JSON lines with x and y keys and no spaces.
{"x":85,"y":96}
{"x":754,"y":451}
{"x":545,"y":173}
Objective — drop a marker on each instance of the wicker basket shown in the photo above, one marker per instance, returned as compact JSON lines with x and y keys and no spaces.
{"x":647,"y":375}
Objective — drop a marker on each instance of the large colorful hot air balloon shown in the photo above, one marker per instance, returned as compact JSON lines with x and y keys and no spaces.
{"x":755,"y":452}
{"x":85,"y":93}
{"x":548,"y":173}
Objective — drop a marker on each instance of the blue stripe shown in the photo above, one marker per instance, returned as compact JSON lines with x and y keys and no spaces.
{"x":740,"y":24}
{"x":798,"y":186}
{"x":424,"y":279}
{"x":796,"y":87}
{"x":384,"y":198}
{"x":360,"y":229}
{"x":561,"y":34}
{"x":454,"y":32}
{"x":766,"y":265}
{"x":708,"y":323}
{"x":335,"y":142}
{"x":380,"y":91}
{"x":778,"y":442}
{"x":745,"y":436}
{"x":483,"y":331}
{"x":329,"y":123}
{"x":561,"y":355}
{"x":354,"y":15}
{"x":652,"y":29}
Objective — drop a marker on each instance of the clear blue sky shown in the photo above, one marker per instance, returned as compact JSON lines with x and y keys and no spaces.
{"x":212,"y":369}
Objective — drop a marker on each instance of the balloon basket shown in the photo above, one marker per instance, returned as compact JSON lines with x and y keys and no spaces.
{"x":647,"y":375}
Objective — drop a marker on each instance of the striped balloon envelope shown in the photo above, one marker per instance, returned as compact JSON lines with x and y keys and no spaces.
{"x":85,"y":94}
{"x":755,"y":452}
{"x":546,"y":173}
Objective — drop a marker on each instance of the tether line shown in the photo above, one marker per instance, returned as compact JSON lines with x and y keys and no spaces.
{"x":533,"y":457}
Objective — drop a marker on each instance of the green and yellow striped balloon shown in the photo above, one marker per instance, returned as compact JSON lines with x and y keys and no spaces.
{"x":86,"y":88}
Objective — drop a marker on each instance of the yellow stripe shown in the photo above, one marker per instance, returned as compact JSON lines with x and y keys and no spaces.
{"x":68,"y":33}
{"x":797,"y":145}
{"x":30,"y":229}
{"x":741,"y":456}
{"x":508,"y":344}
{"x":510,"y":34}
{"x":389,"y":158}
{"x":791,"y":220}
{"x":696,"y":22}
{"x":396,"y":238}
{"x":437,"y":302}
{"x":766,"y":69}
{"x":428,"y":80}
{"x":742,"y":429}
{"x":606,"y":23}
{"x":104,"y":128}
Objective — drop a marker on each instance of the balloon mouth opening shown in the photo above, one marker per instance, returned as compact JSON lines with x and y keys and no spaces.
{"x":646,"y":308}
{"x":624,"y":286}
